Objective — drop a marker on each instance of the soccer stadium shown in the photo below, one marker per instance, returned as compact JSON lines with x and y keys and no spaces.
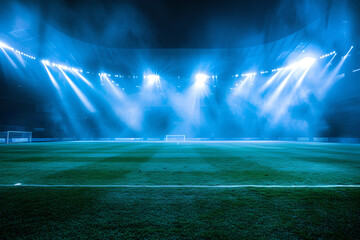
{"x":169,"y":119}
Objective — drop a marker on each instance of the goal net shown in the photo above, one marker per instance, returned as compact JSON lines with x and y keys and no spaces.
{"x":175,"y":138}
{"x":15,"y":137}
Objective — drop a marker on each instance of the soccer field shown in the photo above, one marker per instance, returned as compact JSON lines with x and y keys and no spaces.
{"x":78,"y":189}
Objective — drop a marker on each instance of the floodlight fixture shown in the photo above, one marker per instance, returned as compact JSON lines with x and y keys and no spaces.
{"x":153,"y":78}
{"x":45,"y":62}
{"x":306,"y":62}
{"x":200,"y":80}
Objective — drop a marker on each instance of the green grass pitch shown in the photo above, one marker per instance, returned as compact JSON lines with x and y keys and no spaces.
{"x":173,"y":213}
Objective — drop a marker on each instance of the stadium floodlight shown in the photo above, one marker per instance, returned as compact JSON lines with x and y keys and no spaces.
{"x":248,"y":74}
{"x":152,"y":78}
{"x":278,"y":69}
{"x":60,"y":66}
{"x":306,"y":62}
{"x":63,"y":67}
{"x":104,"y":74}
{"x":76,"y":70}
{"x":303,"y":63}
{"x":200,"y":80}
{"x":45,"y":62}
{"x":3,"y":45}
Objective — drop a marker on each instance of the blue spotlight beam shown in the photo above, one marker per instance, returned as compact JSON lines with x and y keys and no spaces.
{"x":64,"y":104}
{"x":347,"y":54}
{"x":303,"y":63}
{"x":77,"y":73}
{"x":52,"y":79}
{"x":325,"y":69}
{"x":270,"y":102}
{"x":188,"y":104}
{"x":333,"y":75}
{"x":127,"y":111}
{"x":268,"y":82}
{"x":116,"y":91}
{"x":239,"y":88}
{"x":300,"y":80}
{"x":20,"y":59}
{"x":79,"y":93}
{"x":9,"y":58}
{"x":290,"y":96}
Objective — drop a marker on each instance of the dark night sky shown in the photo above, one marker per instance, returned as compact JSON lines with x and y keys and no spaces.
{"x":178,"y":24}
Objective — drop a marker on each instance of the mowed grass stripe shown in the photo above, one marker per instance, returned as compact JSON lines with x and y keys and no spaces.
{"x":258,"y":163}
{"x":105,"y":170}
{"x":270,"y":165}
{"x":67,"y":168}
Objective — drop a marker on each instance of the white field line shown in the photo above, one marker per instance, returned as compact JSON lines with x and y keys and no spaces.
{"x":178,"y":186}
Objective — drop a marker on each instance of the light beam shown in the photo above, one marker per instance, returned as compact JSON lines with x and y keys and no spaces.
{"x":79,"y":93}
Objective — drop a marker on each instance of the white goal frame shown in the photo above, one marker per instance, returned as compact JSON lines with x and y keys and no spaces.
{"x":20,"y":137}
{"x":175,"y":138}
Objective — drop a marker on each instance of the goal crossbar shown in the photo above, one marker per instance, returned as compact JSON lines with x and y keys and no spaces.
{"x":175,"y":138}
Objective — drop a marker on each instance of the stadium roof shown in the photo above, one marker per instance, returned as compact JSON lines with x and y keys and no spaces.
{"x":170,"y":23}
{"x":118,"y":35}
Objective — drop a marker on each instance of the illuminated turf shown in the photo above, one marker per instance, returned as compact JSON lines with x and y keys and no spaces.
{"x":184,"y":164}
{"x":170,"y":213}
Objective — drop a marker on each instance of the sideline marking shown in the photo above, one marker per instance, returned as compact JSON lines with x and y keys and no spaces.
{"x":180,"y":186}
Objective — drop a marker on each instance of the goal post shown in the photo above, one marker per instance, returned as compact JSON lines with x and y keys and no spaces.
{"x":15,"y":137}
{"x":3,"y":137}
{"x":175,"y":138}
